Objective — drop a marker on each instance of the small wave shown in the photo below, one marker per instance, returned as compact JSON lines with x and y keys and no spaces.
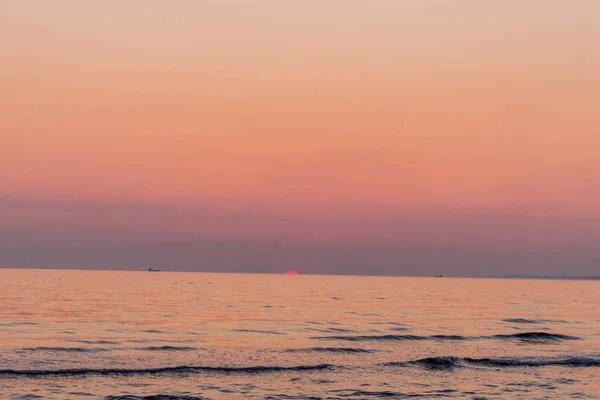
{"x":521,"y":321}
{"x":329,"y":330}
{"x":379,"y":394}
{"x":507,"y":362}
{"x":155,"y":397}
{"x":322,"y":381}
{"x":292,"y":397}
{"x":337,"y":330}
{"x":449,"y":363}
{"x":531,"y":337}
{"x":539,"y":337}
{"x":258,"y":331}
{"x":438,"y":363}
{"x":375,"y":338}
{"x":166,"y":370}
{"x":533,"y":321}
{"x":348,"y":350}
{"x":389,"y":323}
{"x":396,"y":395}
{"x":364,"y":314}
{"x":66,"y":349}
{"x":399,"y":329}
{"x":142,"y":341}
{"x":92,"y":341}
{"x":167,"y":348}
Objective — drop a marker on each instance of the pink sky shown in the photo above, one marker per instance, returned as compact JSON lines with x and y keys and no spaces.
{"x":322,"y":120}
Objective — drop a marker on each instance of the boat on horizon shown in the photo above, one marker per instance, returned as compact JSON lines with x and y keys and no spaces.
{"x":153,"y":270}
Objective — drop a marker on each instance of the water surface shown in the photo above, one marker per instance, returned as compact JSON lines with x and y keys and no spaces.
{"x":140,"y":335}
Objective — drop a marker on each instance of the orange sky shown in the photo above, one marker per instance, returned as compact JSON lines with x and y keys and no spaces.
{"x":329,"y":108}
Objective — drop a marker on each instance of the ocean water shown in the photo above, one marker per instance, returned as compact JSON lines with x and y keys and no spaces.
{"x":142,"y":335}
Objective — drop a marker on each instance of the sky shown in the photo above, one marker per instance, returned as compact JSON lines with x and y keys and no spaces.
{"x":402,"y":137}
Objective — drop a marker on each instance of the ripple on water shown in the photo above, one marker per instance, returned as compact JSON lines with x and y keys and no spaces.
{"x":165,"y":370}
{"x":346,"y":350}
{"x":257,"y":331}
{"x":167,"y":348}
{"x":66,"y":349}
{"x":533,"y":321}
{"x":156,"y":397}
{"x":536,"y":337}
{"x":374,"y":338}
{"x":530,"y":337}
{"x":451,"y":362}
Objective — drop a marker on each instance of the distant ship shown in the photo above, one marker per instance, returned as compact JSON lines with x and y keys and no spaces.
{"x":439,"y":276}
{"x":153,"y":270}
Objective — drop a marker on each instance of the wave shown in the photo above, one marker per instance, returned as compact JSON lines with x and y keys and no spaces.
{"x":93,"y":341}
{"x":66,"y":349}
{"x":368,"y":338}
{"x":567,"y":362}
{"x":167,"y":348}
{"x":348,"y":350}
{"x":435,"y":363}
{"x":531,"y":337}
{"x":142,"y":341}
{"x":165,"y":370}
{"x":155,"y":397}
{"x":335,"y":330}
{"x":327,"y":330}
{"x":399,"y":329}
{"x":258,"y":331}
{"x":533,"y":321}
{"x":536,"y":337}
{"x":355,"y":393}
{"x":396,"y":395}
{"x":450,"y":363}
{"x":292,"y":397}
{"x":100,"y":349}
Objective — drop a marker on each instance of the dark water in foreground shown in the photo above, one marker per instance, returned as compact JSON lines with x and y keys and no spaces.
{"x":141,"y":335}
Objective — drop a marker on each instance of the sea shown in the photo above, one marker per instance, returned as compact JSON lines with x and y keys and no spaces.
{"x":67,"y":334}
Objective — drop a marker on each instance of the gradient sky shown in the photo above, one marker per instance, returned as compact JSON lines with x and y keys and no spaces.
{"x":459,"y":137}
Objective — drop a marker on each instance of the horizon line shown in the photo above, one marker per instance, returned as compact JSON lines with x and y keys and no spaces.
{"x":511,"y":276}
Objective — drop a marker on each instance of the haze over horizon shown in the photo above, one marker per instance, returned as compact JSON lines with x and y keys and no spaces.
{"x":357,"y":137}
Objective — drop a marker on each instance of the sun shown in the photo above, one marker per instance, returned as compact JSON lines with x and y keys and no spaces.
{"x":292,"y":273}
